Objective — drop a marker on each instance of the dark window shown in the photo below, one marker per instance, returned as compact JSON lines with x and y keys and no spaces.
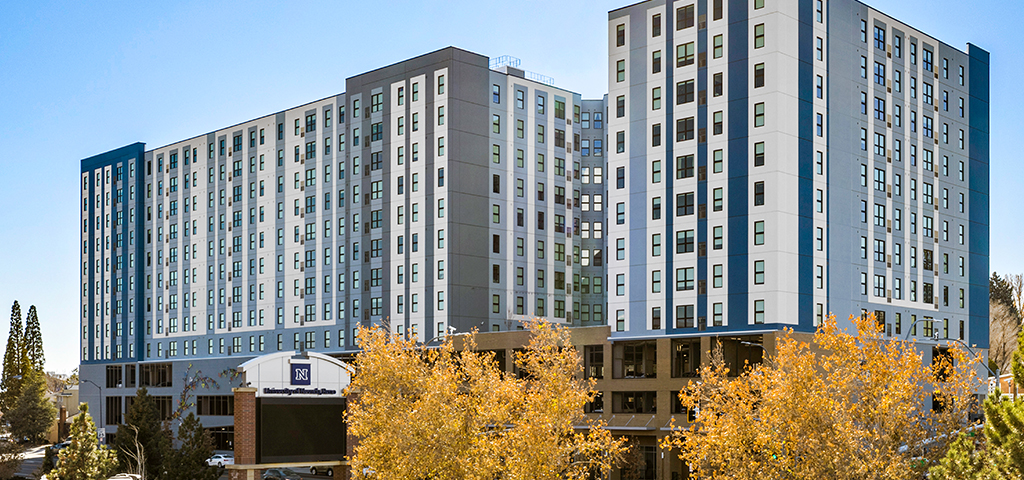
{"x":758,"y":193}
{"x":684,"y":17}
{"x":684,"y":314}
{"x":114,"y":379}
{"x":221,"y":405}
{"x":635,"y":359}
{"x":684,"y":204}
{"x":620,"y":177}
{"x":684,"y":166}
{"x":685,"y":357}
{"x":113,"y":414}
{"x":155,"y":375}
{"x":634,"y":402}
{"x":163,"y":407}
{"x":684,"y":92}
{"x":593,"y":361}
{"x":684,"y":129}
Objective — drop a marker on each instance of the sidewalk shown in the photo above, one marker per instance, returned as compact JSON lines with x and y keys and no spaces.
{"x":32,"y":465}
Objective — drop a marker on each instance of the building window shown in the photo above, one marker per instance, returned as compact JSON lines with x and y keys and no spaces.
{"x":759,"y":272}
{"x":759,"y":35}
{"x":758,"y":114}
{"x":684,"y":17}
{"x":759,"y":311}
{"x":684,"y":54}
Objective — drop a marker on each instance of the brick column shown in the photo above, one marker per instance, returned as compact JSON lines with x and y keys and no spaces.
{"x":245,"y":431}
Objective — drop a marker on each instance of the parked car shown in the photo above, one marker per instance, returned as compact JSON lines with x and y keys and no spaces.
{"x":126,"y":476}
{"x":221,"y":459}
{"x":322,"y":471}
{"x":281,"y":474}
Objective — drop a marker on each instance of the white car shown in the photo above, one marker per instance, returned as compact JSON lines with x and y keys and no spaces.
{"x":321,"y":471}
{"x":221,"y":459}
{"x":126,"y":476}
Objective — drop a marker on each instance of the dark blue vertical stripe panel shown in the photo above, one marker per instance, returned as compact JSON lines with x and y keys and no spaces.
{"x":805,"y":157}
{"x":738,"y":204}
{"x":978,"y":230}
{"x":702,"y":157}
{"x":668,"y":212}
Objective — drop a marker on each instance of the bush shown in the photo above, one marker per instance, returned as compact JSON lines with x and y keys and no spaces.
{"x":10,"y":459}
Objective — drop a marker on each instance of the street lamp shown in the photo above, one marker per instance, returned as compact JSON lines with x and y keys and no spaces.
{"x":911,"y":328}
{"x":968,"y":348}
{"x":450,"y":332}
{"x":100,"y":406}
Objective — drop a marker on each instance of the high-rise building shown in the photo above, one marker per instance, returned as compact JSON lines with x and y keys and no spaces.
{"x":754,"y":166}
{"x":772,"y":162}
{"x":433,"y":194}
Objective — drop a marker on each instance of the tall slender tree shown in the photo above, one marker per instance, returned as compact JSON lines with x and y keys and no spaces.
{"x":33,"y":341}
{"x":189,"y":461}
{"x":33,"y":414}
{"x":143,"y":418}
{"x":10,"y":382}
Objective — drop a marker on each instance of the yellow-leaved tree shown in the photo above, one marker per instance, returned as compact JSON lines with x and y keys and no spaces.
{"x":442,"y":413}
{"x":849,"y":406}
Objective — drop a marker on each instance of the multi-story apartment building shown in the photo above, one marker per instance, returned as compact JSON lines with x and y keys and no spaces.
{"x":771,"y":162}
{"x":435,"y":193}
{"x":754,"y":166}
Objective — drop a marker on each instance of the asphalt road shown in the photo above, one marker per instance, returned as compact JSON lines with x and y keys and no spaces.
{"x":32,"y":461}
{"x":305,"y":475}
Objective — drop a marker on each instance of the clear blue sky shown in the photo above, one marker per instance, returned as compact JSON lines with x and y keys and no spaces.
{"x":81,"y":78}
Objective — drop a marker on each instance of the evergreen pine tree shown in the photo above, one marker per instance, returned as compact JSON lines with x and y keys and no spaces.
{"x":1004,"y":422}
{"x":1001,"y":454}
{"x":33,"y":340}
{"x":84,"y":459}
{"x":189,"y":461}
{"x":33,"y":414}
{"x":144,"y":418}
{"x":10,"y":383}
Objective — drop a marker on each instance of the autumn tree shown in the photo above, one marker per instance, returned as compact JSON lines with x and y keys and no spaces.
{"x":33,"y":340}
{"x":84,"y":458}
{"x":443,"y":413}
{"x":848,"y":406}
{"x":14,"y":362}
